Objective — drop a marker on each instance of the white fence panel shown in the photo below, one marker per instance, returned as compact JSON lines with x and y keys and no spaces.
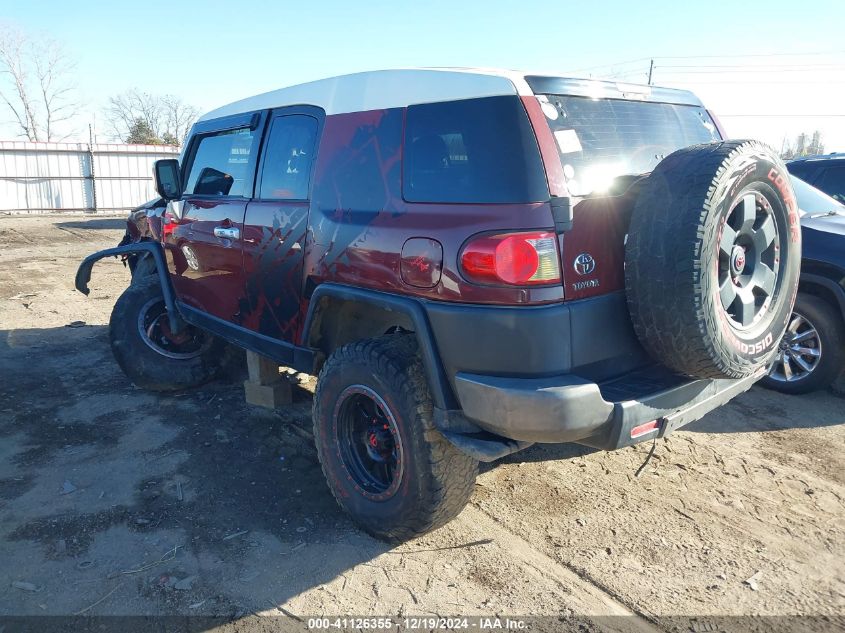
{"x":49,"y":177}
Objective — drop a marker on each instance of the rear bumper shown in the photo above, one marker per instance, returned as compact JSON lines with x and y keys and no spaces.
{"x":606,"y":416}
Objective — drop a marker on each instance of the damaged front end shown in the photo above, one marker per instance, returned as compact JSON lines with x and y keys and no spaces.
{"x":143,"y":224}
{"x":140,"y":244}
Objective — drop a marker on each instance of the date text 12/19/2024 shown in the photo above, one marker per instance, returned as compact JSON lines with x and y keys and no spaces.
{"x":422,"y":623}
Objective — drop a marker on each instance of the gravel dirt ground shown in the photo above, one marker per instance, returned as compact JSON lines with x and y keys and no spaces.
{"x":115,"y":501}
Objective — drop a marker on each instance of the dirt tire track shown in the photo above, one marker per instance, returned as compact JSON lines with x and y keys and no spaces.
{"x":591,"y":597}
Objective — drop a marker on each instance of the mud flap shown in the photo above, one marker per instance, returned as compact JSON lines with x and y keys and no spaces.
{"x":471,"y":440}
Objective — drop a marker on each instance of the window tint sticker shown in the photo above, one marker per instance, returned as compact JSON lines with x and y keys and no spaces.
{"x":568,"y":141}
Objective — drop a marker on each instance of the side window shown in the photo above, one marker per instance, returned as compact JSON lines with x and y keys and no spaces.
{"x":288,"y":157}
{"x":832,"y":182}
{"x":221,"y":165}
{"x":473,"y":150}
{"x":801,"y":170}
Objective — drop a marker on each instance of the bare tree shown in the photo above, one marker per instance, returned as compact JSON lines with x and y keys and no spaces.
{"x":167,"y":117}
{"x":816,"y":145}
{"x":178,"y":117}
{"x":36,"y":84}
{"x":804,"y":145}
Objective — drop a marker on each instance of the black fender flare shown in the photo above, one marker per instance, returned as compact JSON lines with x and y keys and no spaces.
{"x":154,"y":249}
{"x":441,"y":391}
{"x":829,"y":284}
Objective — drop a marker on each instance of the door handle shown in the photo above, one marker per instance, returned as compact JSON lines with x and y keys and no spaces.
{"x":227,"y":233}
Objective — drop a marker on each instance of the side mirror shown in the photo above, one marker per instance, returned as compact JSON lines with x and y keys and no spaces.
{"x":168,"y":178}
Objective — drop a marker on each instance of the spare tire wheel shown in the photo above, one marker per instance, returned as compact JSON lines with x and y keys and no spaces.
{"x":712,"y":259}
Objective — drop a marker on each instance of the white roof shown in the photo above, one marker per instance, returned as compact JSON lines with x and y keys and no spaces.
{"x":382,"y":89}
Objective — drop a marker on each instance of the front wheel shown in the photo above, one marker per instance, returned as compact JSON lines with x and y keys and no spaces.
{"x":812,"y":351}
{"x":385,"y":462}
{"x":150,"y":354}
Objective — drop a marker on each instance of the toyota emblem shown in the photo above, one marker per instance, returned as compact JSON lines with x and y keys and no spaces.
{"x":584,"y":264}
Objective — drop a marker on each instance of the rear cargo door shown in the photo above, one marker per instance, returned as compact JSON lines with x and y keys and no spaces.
{"x":606,"y":146}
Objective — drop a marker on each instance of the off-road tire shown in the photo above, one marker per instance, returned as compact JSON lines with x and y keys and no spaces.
{"x":437,"y":480}
{"x":143,"y":365}
{"x":672,"y":258}
{"x":828,"y":323}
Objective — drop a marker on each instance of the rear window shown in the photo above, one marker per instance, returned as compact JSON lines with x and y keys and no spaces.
{"x":600,"y":140}
{"x":474,"y":151}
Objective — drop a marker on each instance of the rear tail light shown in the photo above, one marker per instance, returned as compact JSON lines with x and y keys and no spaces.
{"x":518,"y":259}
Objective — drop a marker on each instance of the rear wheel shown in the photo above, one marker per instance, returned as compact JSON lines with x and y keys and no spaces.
{"x":385,"y":462}
{"x":812,"y":351}
{"x":150,"y":353}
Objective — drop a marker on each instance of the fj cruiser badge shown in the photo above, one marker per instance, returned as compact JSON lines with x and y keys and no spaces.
{"x":584,"y":264}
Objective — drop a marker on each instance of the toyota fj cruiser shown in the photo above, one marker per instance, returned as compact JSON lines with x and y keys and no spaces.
{"x":472,"y":261}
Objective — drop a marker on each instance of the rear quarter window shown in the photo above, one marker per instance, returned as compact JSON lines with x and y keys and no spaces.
{"x":472,"y":151}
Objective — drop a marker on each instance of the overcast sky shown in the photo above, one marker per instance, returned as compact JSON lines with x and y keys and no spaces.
{"x":769,"y":69}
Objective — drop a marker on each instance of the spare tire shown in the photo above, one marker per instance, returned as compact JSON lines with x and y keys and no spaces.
{"x":712,"y":259}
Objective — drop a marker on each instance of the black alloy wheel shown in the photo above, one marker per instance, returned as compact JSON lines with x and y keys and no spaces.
{"x":154,"y":329}
{"x":369,"y":442}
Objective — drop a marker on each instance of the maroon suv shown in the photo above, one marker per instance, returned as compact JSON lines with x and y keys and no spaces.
{"x":472,"y":261}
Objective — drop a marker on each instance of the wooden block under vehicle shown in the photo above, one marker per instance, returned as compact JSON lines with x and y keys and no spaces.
{"x":265,"y":387}
{"x":270,"y":396}
{"x":262,"y":370}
